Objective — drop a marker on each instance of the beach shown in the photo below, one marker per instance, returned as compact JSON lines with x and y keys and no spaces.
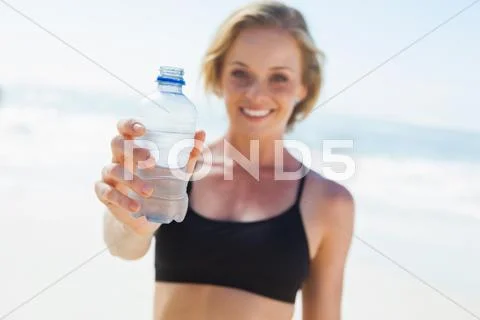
{"x":415,"y":254}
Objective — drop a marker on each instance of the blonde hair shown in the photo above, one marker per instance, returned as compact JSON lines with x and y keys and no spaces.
{"x":267,"y":14}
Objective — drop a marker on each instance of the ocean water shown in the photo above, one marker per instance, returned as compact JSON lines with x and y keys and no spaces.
{"x":417,"y":234}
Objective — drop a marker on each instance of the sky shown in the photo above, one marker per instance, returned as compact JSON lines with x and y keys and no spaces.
{"x":431,"y":83}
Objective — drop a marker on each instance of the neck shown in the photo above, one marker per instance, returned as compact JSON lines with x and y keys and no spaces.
{"x":261,"y":150}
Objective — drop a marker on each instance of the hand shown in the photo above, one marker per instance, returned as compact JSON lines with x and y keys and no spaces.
{"x":113,"y":188}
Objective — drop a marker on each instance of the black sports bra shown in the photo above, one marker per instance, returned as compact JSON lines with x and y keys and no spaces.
{"x":268,"y":257}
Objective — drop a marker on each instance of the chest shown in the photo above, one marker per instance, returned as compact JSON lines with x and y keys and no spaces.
{"x":242,"y":199}
{"x":246,"y":200}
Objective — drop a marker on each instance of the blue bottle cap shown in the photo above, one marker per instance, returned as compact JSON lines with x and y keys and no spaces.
{"x":171,"y":75}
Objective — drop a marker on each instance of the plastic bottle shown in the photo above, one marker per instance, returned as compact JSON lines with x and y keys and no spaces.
{"x":170,"y":119}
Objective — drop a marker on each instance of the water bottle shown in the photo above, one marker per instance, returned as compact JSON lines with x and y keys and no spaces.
{"x":170,"y":119}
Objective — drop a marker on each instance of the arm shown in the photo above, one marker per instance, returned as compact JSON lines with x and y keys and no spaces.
{"x":127,"y":237}
{"x":122,"y":241}
{"x":322,"y":292}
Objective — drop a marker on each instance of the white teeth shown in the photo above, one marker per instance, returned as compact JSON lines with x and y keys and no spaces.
{"x":255,"y":113}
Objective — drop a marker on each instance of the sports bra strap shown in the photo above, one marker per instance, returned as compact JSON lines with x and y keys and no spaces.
{"x":189,"y":186}
{"x":300,"y":187}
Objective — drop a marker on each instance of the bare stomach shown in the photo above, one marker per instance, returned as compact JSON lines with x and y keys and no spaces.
{"x":198,"y":302}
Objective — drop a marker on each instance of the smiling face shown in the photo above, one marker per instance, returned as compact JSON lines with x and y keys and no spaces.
{"x":261,"y":81}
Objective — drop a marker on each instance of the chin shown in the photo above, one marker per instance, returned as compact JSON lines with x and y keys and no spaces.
{"x":259,"y":130}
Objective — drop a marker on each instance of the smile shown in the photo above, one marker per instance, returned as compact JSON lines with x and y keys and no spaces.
{"x":256,"y":113}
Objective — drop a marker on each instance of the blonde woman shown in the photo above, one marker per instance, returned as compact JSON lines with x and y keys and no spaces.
{"x":246,"y":246}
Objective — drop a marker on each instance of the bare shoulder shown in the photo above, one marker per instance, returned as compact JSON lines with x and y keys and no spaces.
{"x":329,"y":203}
{"x":328,"y":193}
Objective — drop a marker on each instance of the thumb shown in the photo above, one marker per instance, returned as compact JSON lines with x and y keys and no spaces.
{"x":196,"y":151}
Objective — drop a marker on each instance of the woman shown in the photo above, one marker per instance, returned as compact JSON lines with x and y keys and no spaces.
{"x":246,"y":245}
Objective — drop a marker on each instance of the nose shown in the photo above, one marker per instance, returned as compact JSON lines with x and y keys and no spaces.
{"x":257,"y":92}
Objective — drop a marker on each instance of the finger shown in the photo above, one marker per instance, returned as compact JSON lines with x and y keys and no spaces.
{"x":115,"y":175}
{"x":123,"y":150}
{"x":114,"y":199}
{"x":130,"y":128}
{"x":196,"y":151}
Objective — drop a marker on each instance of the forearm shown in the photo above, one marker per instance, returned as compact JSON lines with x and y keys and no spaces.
{"x":122,"y":242}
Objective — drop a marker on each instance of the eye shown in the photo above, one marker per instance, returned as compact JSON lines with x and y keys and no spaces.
{"x":239,"y":74}
{"x":279,"y":78}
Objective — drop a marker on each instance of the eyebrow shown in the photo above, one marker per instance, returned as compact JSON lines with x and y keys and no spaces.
{"x":274,"y":68}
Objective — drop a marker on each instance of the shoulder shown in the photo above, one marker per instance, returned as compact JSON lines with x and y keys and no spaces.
{"x":328,"y":194}
{"x":330,"y":204}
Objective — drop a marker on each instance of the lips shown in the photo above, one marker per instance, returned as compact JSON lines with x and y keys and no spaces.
{"x":256,"y":113}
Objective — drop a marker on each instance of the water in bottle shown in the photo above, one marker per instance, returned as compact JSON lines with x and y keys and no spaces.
{"x":169,"y":118}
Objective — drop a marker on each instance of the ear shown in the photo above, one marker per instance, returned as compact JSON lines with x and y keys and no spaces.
{"x":302,"y":93}
{"x":219,"y":92}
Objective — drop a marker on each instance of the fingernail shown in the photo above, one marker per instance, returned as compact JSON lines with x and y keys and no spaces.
{"x":149,"y":163}
{"x":137,"y":127}
{"x":134,"y":206}
{"x":147,"y":189}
